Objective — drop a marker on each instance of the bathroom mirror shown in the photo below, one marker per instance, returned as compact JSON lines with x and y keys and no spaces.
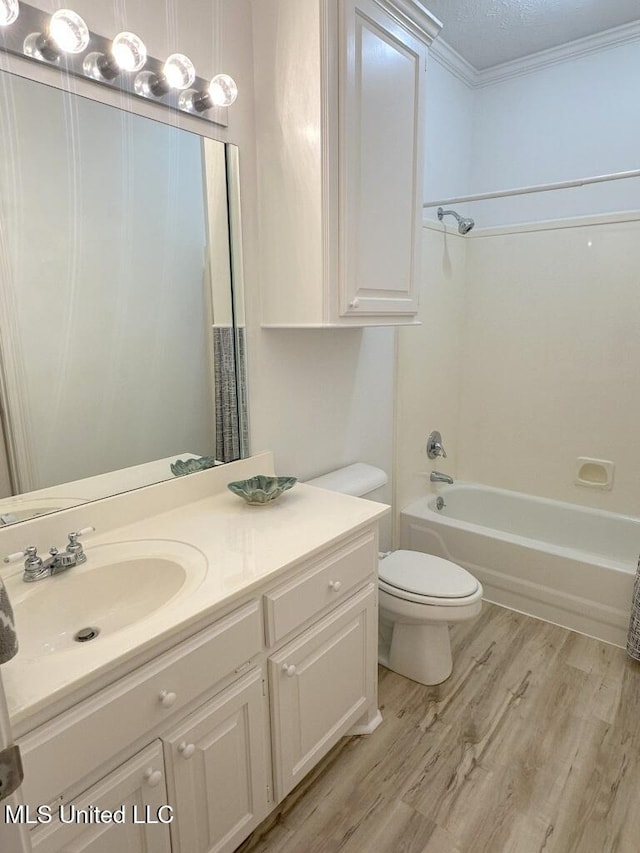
{"x":121,"y":312}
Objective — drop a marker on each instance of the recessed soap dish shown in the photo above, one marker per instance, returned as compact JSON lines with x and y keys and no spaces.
{"x":594,"y":473}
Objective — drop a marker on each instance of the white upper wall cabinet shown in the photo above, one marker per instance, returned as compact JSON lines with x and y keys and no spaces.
{"x":339,"y":120}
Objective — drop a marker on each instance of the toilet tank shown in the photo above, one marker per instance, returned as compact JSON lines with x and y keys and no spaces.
{"x":361,"y":481}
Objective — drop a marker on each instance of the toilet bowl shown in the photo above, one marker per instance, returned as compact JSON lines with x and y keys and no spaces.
{"x":420,"y":595}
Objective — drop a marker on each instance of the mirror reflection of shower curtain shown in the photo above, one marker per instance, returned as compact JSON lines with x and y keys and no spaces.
{"x":230,"y":334}
{"x":230,"y":392}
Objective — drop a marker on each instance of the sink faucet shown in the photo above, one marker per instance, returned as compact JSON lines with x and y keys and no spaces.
{"x":437,"y":477}
{"x":35,"y":568}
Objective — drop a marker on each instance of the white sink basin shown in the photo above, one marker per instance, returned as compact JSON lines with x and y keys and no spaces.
{"x":119,"y":586}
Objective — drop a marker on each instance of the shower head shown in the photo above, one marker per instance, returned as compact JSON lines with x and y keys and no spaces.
{"x":464,"y":225}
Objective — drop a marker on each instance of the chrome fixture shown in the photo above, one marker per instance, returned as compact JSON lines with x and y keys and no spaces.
{"x":434,"y":446}
{"x":440,"y":504}
{"x":64,"y":39}
{"x":464,"y":224}
{"x":437,"y":477}
{"x":35,"y":568}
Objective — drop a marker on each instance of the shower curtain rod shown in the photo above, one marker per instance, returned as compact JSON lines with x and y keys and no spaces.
{"x":540,"y":188}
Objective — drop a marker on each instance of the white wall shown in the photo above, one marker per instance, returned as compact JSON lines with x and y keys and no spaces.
{"x":318,"y":399}
{"x":449,"y":109}
{"x":575,"y":119}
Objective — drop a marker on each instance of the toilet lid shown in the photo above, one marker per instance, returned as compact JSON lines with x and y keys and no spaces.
{"x":425,"y":574}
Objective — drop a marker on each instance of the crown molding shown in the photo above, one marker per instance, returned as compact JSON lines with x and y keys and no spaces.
{"x":415,"y":15}
{"x":564,"y":53}
{"x":475,"y":79}
{"x":456,"y":64}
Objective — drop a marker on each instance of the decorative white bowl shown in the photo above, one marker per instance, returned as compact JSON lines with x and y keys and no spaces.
{"x":262,"y":489}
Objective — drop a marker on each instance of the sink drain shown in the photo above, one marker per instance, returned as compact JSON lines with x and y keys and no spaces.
{"x":86,"y":634}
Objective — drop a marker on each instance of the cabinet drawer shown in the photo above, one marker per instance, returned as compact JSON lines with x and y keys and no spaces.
{"x":61,"y":753}
{"x":326,"y":582}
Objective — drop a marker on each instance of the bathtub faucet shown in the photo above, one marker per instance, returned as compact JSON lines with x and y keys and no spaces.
{"x":437,"y":477}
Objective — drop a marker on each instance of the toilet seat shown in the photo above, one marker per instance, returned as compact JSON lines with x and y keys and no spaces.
{"x":427,"y":579}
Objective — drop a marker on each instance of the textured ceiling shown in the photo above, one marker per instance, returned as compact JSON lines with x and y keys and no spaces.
{"x":489,"y":32}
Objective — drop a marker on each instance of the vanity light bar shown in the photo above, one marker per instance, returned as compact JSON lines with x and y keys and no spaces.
{"x":63,"y":41}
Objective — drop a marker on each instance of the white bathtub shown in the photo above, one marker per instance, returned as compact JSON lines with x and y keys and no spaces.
{"x":561,"y":562}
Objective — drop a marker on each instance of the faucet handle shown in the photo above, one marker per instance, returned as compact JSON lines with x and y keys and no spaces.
{"x":30,"y":552}
{"x":434,"y":446}
{"x":74,"y":547}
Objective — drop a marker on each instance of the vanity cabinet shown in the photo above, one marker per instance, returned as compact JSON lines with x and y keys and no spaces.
{"x":339,"y":115}
{"x":218,"y":771}
{"x":257,"y":696}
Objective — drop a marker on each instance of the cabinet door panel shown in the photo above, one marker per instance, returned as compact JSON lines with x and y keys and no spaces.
{"x":381,"y":114}
{"x":217,"y":769}
{"x":321,"y":683}
{"x":139,"y":788}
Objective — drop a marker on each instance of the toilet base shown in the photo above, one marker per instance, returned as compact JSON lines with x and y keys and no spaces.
{"x":421,"y":652}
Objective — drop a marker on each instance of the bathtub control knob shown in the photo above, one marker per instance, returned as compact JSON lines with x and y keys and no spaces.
{"x":335,"y":585}
{"x":435,"y":447}
{"x":289,"y":670}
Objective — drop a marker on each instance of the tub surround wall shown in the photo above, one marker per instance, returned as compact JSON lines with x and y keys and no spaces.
{"x":549,"y":365}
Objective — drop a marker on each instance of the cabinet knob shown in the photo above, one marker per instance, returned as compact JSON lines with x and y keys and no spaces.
{"x":335,"y":585}
{"x":167,"y":699}
{"x":355,"y":303}
{"x":289,"y":670}
{"x":153,"y":777}
{"x":186,"y":750}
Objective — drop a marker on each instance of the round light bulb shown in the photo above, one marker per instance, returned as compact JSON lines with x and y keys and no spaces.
{"x":223,"y":90}
{"x":68,"y":31}
{"x":179,"y":71}
{"x":9,"y":11}
{"x":129,"y":51}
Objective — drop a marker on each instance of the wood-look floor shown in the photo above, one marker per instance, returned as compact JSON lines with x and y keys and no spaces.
{"x":531,"y":746}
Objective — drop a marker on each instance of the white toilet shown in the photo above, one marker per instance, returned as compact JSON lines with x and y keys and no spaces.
{"x":420,"y":595}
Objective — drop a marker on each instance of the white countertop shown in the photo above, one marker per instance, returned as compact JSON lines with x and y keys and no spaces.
{"x":244,"y":546}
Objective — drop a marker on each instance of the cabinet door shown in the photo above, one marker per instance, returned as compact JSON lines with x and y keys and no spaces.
{"x":138,"y":789}
{"x":218,"y":771}
{"x":321,"y":683}
{"x":382,"y":69}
